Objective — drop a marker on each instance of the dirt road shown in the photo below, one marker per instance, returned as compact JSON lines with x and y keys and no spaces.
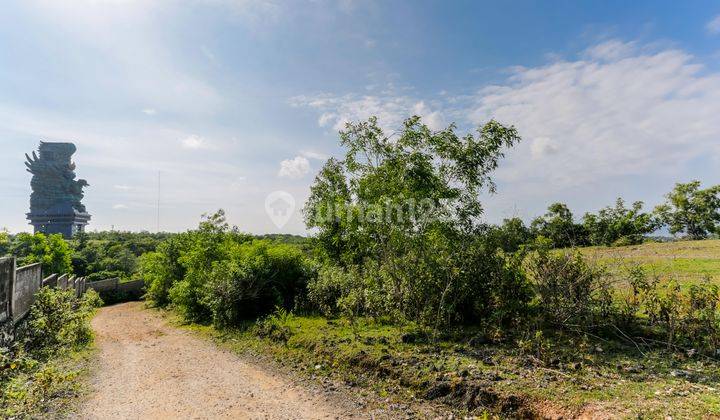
{"x":149,"y":369}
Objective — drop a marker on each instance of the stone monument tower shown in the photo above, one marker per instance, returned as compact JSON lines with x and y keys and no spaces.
{"x":55,"y":203}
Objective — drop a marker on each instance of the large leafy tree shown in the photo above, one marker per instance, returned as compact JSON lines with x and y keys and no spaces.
{"x":692,"y":211}
{"x":401,"y":214}
{"x":387,"y":189}
{"x":619,"y":224}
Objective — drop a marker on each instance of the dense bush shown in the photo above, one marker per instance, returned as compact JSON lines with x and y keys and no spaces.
{"x":558,"y":225}
{"x":570,"y":292}
{"x":51,"y":250}
{"x":59,"y":320}
{"x":111,"y":254}
{"x":162,"y":269}
{"x":217,"y":274}
{"x":398,"y":221}
{"x":511,"y":235}
{"x":619,"y":225}
{"x":57,"y":324}
{"x":253,"y":279}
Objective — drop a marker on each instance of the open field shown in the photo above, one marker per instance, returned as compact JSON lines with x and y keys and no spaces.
{"x":687,"y":262}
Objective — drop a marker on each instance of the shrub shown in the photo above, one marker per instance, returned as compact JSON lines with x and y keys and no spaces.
{"x":558,"y":225}
{"x":274,"y":326}
{"x":331,"y":284}
{"x":254,"y":279}
{"x":353,"y":291}
{"x":439,"y":280}
{"x":104,"y":275}
{"x":162,"y":269}
{"x":701,"y":322}
{"x":619,"y":225}
{"x":570,"y":292}
{"x":59,"y":320}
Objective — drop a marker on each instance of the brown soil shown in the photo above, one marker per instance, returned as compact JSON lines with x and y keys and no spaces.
{"x":150,"y":369}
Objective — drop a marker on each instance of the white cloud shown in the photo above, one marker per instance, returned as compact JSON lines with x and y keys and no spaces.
{"x":119,"y":207}
{"x":713,"y":27}
{"x":194,"y":142}
{"x":390,"y":108}
{"x":542,"y":146}
{"x":294,"y":168}
{"x":122,"y":187}
{"x":326,"y":118}
{"x":621,"y":110}
{"x":433,"y":119}
{"x":314,"y":155}
{"x":611,"y":50}
{"x":149,"y":111}
{"x":618,"y":110}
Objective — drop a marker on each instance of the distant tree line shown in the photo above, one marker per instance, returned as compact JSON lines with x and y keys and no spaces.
{"x":97,"y":255}
{"x":688,"y":211}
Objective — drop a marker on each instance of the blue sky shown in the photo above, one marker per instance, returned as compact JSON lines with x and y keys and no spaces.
{"x":230,"y":100}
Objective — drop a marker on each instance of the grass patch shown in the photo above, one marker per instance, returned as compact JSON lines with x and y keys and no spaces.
{"x":688,"y":262}
{"x":547,"y":375}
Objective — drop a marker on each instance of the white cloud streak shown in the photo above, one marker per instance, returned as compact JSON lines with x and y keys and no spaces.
{"x":391,"y":110}
{"x":713,"y":27}
{"x":194,"y":142}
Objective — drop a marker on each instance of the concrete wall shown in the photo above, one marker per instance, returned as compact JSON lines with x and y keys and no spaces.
{"x":62,"y":282}
{"x":50,"y":281}
{"x":18,"y":287}
{"x":103,"y":286}
{"x":112,"y":290}
{"x":7,"y":278}
{"x":28,"y":280}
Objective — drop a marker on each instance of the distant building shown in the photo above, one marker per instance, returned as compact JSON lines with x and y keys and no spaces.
{"x":56,"y":200}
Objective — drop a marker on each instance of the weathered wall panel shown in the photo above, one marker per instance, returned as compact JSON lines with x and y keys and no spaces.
{"x":50,"y":281}
{"x":27,"y":282}
{"x":7,"y":276}
{"x":108,"y":285}
{"x":62,"y":282}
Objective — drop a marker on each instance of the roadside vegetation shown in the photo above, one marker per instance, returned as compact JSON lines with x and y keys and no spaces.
{"x":405,"y":291}
{"x":40,"y":372}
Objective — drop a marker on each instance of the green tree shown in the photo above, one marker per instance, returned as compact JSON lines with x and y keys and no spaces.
{"x":386,"y":189}
{"x":692,"y":211}
{"x":511,"y":235}
{"x":52,"y":251}
{"x":619,"y":225}
{"x":162,"y":269}
{"x":401,"y":215}
{"x":4,"y":242}
{"x":558,"y":225}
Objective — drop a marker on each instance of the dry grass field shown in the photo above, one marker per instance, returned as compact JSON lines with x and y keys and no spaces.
{"x":687,"y":262}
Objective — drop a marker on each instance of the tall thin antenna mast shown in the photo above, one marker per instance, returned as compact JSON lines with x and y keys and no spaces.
{"x":158,"y":204}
